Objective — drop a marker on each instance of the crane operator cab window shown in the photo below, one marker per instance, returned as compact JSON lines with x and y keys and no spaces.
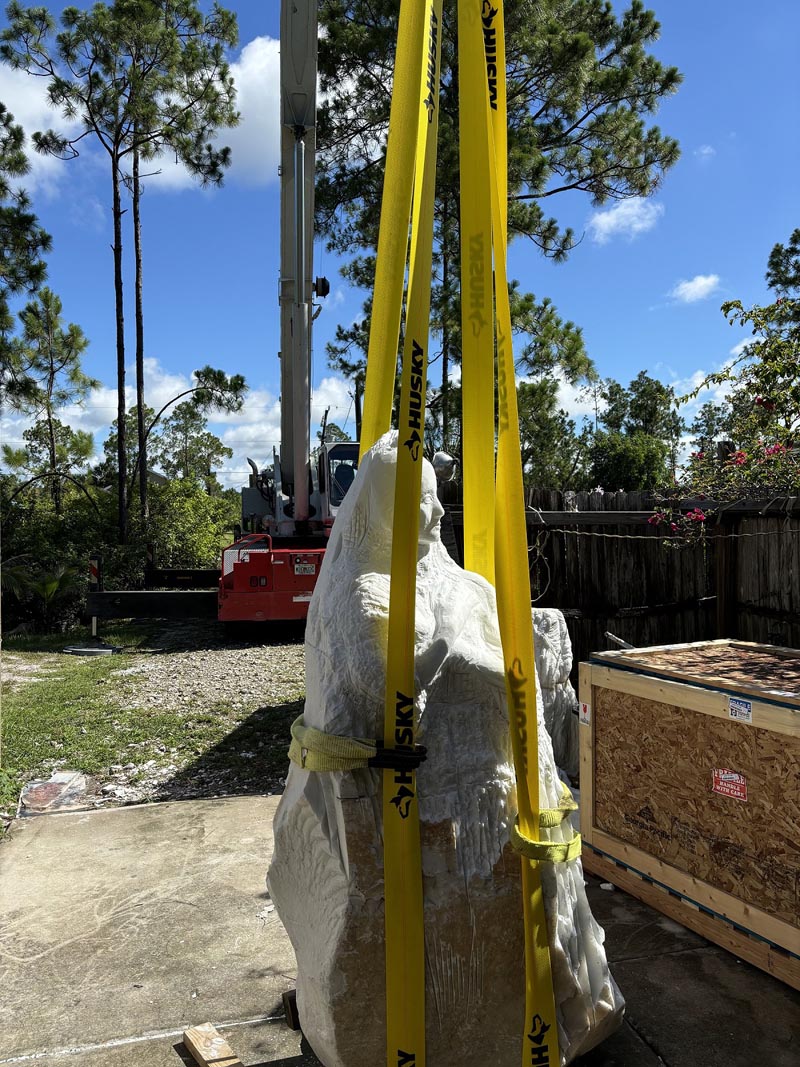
{"x":342,"y":467}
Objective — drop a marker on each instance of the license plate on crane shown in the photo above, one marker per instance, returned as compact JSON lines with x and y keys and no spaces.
{"x":305,"y":568}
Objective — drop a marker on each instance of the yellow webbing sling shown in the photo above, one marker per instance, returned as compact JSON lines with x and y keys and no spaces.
{"x":482,"y":63}
{"x":410,"y":170}
{"x":410,"y":163}
{"x":317,"y":750}
{"x":392,"y":256}
{"x":477,"y":301}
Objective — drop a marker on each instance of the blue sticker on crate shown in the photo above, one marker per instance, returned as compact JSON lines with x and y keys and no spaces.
{"x":740,"y":710}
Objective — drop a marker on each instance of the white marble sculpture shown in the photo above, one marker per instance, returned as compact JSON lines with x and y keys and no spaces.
{"x":326,"y":876}
{"x":559,"y":703}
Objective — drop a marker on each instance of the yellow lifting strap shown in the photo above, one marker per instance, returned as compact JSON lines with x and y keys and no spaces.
{"x":408,"y":188}
{"x":316,"y":750}
{"x":408,"y":192}
{"x":545,"y":851}
{"x":396,"y":202}
{"x":477,"y":300}
{"x":482,"y":63}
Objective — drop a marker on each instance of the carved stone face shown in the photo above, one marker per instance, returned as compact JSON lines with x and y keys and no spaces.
{"x":365,"y":517}
{"x":430,"y":510}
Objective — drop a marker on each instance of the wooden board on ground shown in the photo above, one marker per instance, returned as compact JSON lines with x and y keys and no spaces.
{"x":209,"y":1048}
{"x":698,"y":789}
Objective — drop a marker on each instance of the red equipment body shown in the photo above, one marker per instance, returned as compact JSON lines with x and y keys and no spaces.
{"x":262,"y":583}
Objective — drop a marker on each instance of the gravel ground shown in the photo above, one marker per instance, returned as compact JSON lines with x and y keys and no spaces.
{"x":230,"y":696}
{"x":194,"y":669}
{"x":200,"y":666}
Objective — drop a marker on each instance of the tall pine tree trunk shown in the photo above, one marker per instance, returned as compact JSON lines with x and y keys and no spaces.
{"x":445,"y":339}
{"x":122,"y":453}
{"x":55,"y":482}
{"x":55,"y":485}
{"x":140,"y":414}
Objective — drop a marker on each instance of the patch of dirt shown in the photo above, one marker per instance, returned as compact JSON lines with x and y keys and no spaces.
{"x":17,"y":670}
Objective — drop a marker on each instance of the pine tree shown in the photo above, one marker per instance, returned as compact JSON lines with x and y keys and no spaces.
{"x":581,"y":88}
{"x":186,"y":449}
{"x":783,"y":271}
{"x":138,"y":77}
{"x":23,"y":243}
{"x":48,"y":355}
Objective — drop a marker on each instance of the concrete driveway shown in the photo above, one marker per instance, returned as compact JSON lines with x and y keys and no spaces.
{"x":120,"y":928}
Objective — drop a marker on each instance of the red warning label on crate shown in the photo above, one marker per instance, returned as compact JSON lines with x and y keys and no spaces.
{"x":729,"y":784}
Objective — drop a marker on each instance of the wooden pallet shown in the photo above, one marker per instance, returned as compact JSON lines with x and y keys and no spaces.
{"x":742,"y":943}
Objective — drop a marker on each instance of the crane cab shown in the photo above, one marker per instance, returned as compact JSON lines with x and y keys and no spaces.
{"x":336,"y":470}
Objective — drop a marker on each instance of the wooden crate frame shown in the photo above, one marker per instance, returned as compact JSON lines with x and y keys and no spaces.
{"x":751,"y":933}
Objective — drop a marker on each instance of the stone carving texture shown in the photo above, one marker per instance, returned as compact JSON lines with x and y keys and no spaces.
{"x":326,"y":876}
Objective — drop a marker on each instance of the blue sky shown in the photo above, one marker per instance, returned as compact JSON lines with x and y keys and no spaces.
{"x":645,"y":283}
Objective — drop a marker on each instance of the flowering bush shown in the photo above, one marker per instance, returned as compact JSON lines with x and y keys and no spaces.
{"x":680,"y":526}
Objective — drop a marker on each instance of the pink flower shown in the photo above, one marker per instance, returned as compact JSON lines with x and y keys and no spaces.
{"x":654,"y":520}
{"x":739,"y":457}
{"x":674,"y":527}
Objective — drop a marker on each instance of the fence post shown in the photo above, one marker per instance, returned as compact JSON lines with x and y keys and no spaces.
{"x":149,"y":565}
{"x":95,"y":582}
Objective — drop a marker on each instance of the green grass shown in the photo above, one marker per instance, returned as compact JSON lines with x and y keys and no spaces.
{"x":124,"y":633}
{"x":70,"y":719}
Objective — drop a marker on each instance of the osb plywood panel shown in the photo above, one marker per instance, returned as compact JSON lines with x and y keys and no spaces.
{"x":735,"y":665}
{"x":653,"y":775}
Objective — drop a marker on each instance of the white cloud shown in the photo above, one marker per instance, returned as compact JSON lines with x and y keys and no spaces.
{"x":333,"y":393}
{"x":25,"y":96}
{"x":705,"y":153}
{"x":11,"y":429}
{"x":716,"y":393}
{"x":627,"y":219}
{"x":577,"y":403}
{"x":697,"y":288}
{"x":254,"y":431}
{"x":255,"y":142}
{"x":740,"y":346}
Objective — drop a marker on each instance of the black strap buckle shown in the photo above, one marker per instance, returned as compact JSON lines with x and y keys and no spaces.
{"x":398,"y":759}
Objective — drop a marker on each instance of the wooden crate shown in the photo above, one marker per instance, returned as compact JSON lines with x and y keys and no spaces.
{"x":690,"y":789}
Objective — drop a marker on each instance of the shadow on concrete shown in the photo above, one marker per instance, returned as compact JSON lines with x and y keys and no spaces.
{"x":305,"y":1059}
{"x":250,"y":760}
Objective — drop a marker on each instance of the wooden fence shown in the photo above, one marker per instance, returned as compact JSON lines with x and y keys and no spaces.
{"x":608,"y":570}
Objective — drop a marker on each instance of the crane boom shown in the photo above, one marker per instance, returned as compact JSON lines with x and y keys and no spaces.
{"x":298,"y":72}
{"x":270,"y":570}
